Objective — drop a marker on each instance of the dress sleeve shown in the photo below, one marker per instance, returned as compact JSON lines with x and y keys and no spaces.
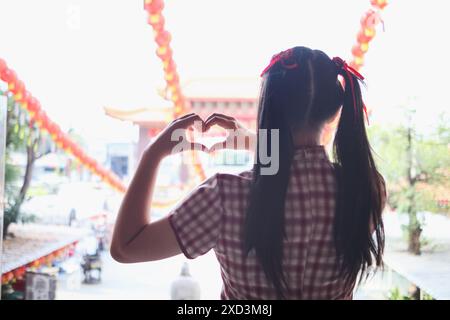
{"x":196,"y":220}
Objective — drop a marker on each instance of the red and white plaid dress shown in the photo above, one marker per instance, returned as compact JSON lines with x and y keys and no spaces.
{"x":212,"y":217}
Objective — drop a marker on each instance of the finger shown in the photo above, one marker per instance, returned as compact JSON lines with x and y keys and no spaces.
{"x":185,"y":116}
{"x":189,"y":121}
{"x":219,"y":120}
{"x":220,"y":115}
{"x":182,"y":117}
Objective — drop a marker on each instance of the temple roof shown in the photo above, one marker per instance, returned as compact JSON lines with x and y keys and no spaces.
{"x":206,"y":89}
{"x":151,"y":116}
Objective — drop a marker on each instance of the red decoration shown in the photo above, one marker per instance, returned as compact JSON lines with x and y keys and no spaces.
{"x":8,"y":75}
{"x":18,"y":87}
{"x":154,"y":6}
{"x":164,"y":52}
{"x":62,"y":140}
{"x":163,"y":38}
{"x":369,"y":21}
{"x":2,"y":65}
{"x":380,"y":4}
{"x":356,"y":51}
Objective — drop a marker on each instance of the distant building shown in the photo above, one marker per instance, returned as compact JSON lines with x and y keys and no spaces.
{"x":120,"y":157}
{"x":236,"y":97}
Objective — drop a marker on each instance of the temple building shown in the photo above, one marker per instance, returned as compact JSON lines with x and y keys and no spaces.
{"x":236,"y":97}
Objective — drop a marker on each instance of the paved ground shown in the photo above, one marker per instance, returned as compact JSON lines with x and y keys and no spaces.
{"x":151,"y":280}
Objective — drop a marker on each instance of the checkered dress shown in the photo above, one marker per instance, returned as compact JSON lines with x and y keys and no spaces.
{"x":212,"y":217}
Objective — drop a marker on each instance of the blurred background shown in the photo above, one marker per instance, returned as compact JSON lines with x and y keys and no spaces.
{"x":85,"y":86}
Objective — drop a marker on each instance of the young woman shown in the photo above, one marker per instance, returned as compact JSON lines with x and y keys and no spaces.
{"x":308,"y":231}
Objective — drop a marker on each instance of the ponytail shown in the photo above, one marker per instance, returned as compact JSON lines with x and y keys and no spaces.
{"x":264,"y":223}
{"x":361,"y":191}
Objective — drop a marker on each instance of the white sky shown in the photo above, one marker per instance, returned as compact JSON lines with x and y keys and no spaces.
{"x":79,"y":56}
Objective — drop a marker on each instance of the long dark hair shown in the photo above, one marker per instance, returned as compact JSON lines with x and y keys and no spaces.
{"x":305,"y":97}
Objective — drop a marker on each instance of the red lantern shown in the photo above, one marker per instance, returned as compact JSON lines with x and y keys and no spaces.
{"x":164,"y":52}
{"x":163,"y":38}
{"x":18,"y":87}
{"x":51,"y":127}
{"x":25,"y":98}
{"x":66,"y":142}
{"x":37,"y":117}
{"x":356,"y":51}
{"x":2,"y":65}
{"x":33,"y":104}
{"x":157,"y":21}
{"x":370,"y":19}
{"x":8,"y":75}
{"x":78,"y":153}
{"x":19,"y":272}
{"x":380,"y":4}
{"x":169,"y":65}
{"x":173,"y":79}
{"x":364,"y":46}
{"x":154,"y":6}
{"x":362,"y":37}
{"x":44,"y":119}
{"x":169,"y":76}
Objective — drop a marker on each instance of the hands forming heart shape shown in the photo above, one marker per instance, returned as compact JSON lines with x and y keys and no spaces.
{"x":173,"y":138}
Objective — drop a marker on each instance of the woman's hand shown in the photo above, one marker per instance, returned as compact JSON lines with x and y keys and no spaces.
{"x":238,"y":138}
{"x":173,"y":138}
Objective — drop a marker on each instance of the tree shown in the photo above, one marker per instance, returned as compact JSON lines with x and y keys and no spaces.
{"x":22,"y":136}
{"x":417,"y":168}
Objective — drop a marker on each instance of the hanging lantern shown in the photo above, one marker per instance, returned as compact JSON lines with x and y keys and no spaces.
{"x":361,"y":37}
{"x":169,"y":65}
{"x":33,"y":104}
{"x":24,"y":100}
{"x":380,"y":4}
{"x":3,"y":65}
{"x":154,"y":6}
{"x":163,"y":38}
{"x":18,"y":87}
{"x":164,"y":52}
{"x":357,"y":51}
{"x":157,"y":21}
{"x":8,"y":76}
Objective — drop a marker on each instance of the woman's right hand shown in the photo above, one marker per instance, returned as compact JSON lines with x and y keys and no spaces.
{"x":238,"y":138}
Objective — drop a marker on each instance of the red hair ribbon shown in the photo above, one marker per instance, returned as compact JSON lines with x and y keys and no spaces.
{"x":351,"y":72}
{"x":282,"y":57}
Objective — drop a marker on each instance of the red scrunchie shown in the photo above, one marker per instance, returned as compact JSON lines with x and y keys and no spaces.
{"x":340,"y":63}
{"x":282,"y":57}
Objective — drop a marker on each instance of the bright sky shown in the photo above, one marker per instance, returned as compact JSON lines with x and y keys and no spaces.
{"x":79,"y":56}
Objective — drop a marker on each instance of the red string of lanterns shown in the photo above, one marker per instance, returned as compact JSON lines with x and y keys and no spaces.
{"x":367,"y":32}
{"x":47,"y":260}
{"x":164,"y":52}
{"x":40,"y":118}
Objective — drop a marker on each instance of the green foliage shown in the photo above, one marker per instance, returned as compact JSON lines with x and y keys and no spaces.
{"x":416,"y":166}
{"x":19,"y":136}
{"x":430,"y":166}
{"x":426,"y":296}
{"x":395,"y":294}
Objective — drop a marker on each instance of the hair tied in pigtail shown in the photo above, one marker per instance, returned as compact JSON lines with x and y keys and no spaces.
{"x":351,"y":73}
